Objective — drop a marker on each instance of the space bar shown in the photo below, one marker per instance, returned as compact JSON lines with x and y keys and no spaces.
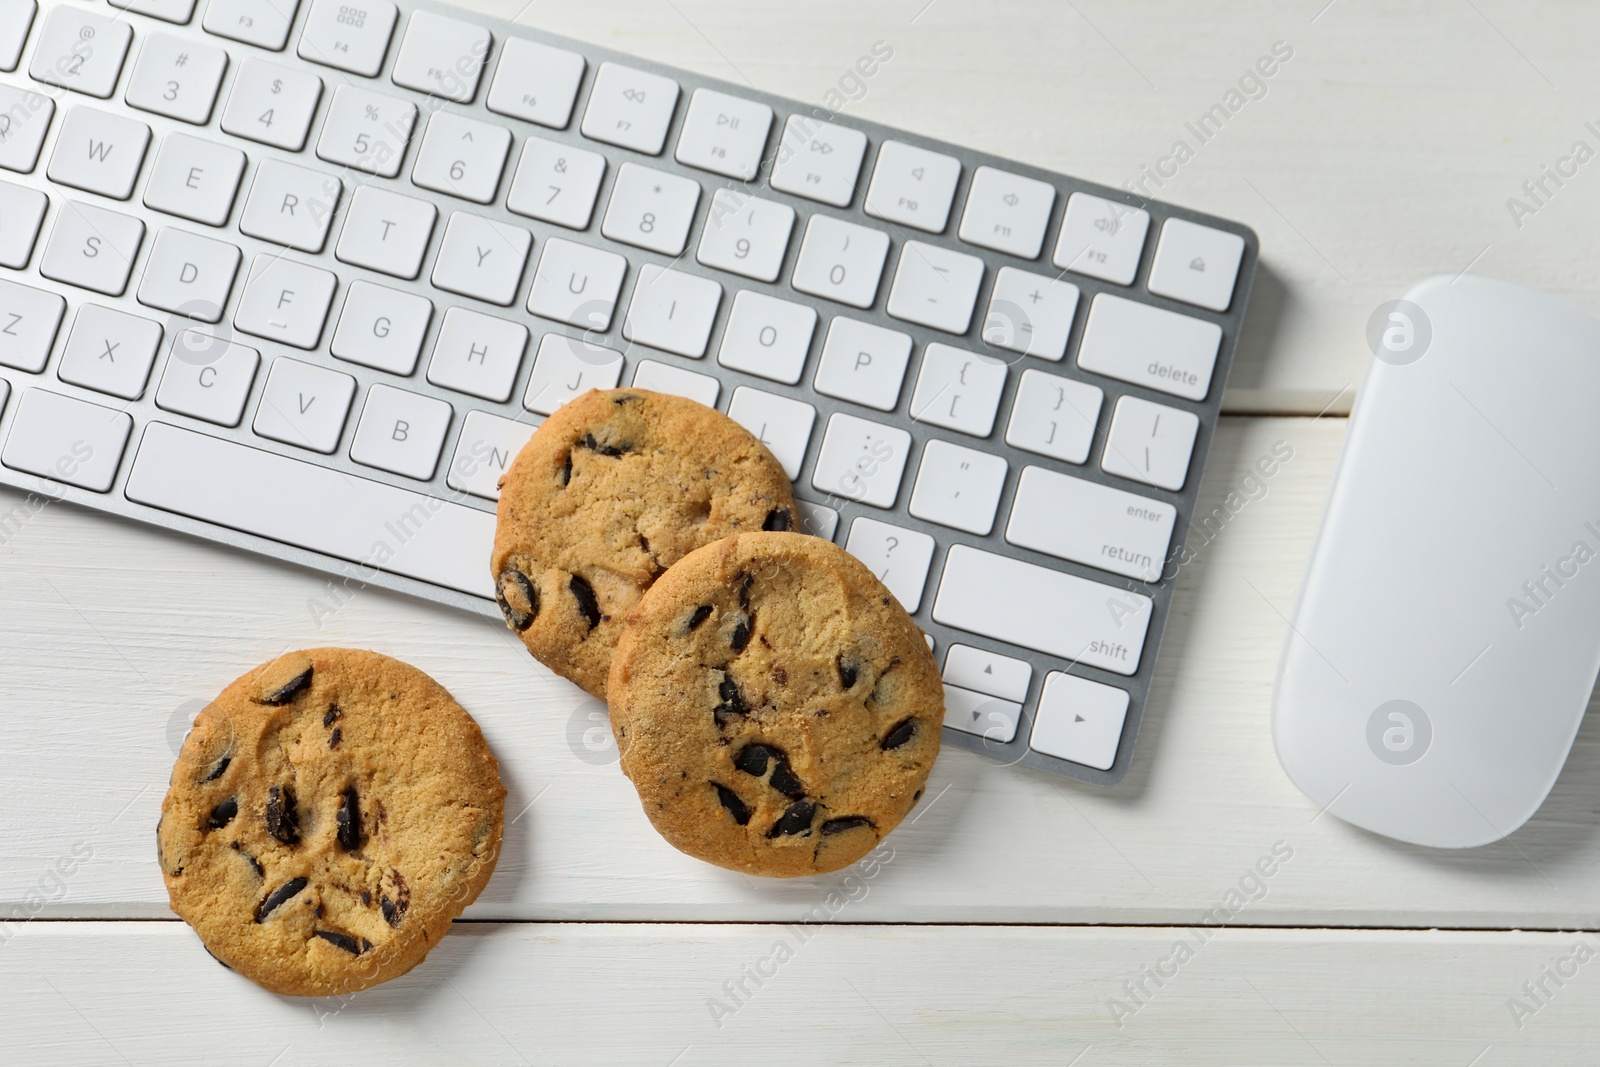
{"x":327,"y":511}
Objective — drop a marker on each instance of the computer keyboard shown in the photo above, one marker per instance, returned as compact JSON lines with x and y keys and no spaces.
{"x":301,"y":276}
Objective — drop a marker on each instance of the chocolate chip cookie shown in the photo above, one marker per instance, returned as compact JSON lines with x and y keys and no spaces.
{"x":613,"y":489}
{"x":775,"y":707}
{"x":330,"y":813}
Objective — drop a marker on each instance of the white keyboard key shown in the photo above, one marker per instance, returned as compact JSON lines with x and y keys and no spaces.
{"x":899,"y":557}
{"x":1101,"y":238}
{"x":746,"y":235}
{"x":988,"y":672}
{"x":958,"y":390}
{"x":178,"y":77}
{"x":724,"y":134}
{"x":5,"y":394}
{"x":178,"y":11}
{"x":80,"y":51}
{"x":264,"y":23}
{"x":304,"y":406}
{"x":349,"y":36}
{"x":861,"y":460}
{"x":651,"y":209}
{"x":401,"y":432}
{"x":207,"y":378}
{"x":194,"y":179}
{"x":24,"y":120}
{"x":989,"y":717}
{"x":779,"y":422}
{"x":484,"y":452}
{"x":1054,"y":416}
{"x":29,"y":319}
{"x":1150,"y":443}
{"x":478,"y":354}
{"x":567,"y":367}
{"x":23,"y":212}
{"x":818,"y":520}
{"x":841,"y":261}
{"x":285,"y":301}
{"x":1042,"y":609}
{"x":67,"y":440}
{"x":672,"y":311}
{"x":536,"y":83}
{"x":386,"y":232}
{"x":556,"y":183}
{"x":663,"y":378}
{"x":272,"y":104}
{"x":16,"y":17}
{"x":462,"y":157}
{"x":334,"y":512}
{"x":189,"y":275}
{"x":1030,"y":313}
{"x":819,"y":161}
{"x":935,"y":287}
{"x":1092,"y":524}
{"x":366,"y":130}
{"x":768,"y":336}
{"x":630,"y":108}
{"x":1150,"y":346}
{"x":958,"y":487}
{"x":92,"y":247}
{"x":1196,"y":264}
{"x":577,"y":284}
{"x":442,"y":57}
{"x":110,"y":351}
{"x":481,"y":258}
{"x":382,"y":328}
{"x":863,"y":363}
{"x":1007,"y":212}
{"x":1079,"y":720}
{"x":291,"y":205}
{"x":913,"y":186}
{"x":99,"y":152}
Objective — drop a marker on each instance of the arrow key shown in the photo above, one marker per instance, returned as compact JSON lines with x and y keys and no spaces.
{"x":991,"y":718}
{"x":987,"y":672}
{"x":1079,"y":720}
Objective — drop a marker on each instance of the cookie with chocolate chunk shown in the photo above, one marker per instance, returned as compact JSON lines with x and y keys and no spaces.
{"x":775,"y":707}
{"x":614,"y":488}
{"x":330,"y":814}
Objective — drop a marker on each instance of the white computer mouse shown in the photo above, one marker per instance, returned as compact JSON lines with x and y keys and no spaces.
{"x":1447,"y":635}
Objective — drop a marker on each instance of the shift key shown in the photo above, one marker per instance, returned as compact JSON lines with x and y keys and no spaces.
{"x":1045,"y":610}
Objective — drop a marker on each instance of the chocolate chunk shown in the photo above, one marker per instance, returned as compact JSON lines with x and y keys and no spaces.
{"x":752,"y":759}
{"x":898,"y":734}
{"x":848,"y":669}
{"x":626,"y":398}
{"x":283,"y":818}
{"x":333,"y":714}
{"x":784,"y":780}
{"x":289,"y":690}
{"x":566,"y":471}
{"x":393,"y":912}
{"x":796,"y":819}
{"x":780,"y":676}
{"x":214,"y":956}
{"x":352,"y":945}
{"x":700,"y":615}
{"x":335,"y":737}
{"x":741,"y":635}
{"x":730,"y":800}
{"x":366,"y":898}
{"x":348,"y":818}
{"x":583,"y":593}
{"x":605,"y":449}
{"x":517,"y":618}
{"x":778,"y":519}
{"x":733,"y":702}
{"x":261,"y":872}
{"x":845,"y":822}
{"x":745,"y":582}
{"x":223,"y":813}
{"x":278,"y":896}
{"x":216,"y":772}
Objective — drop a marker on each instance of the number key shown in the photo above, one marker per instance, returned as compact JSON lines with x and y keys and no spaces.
{"x":80,"y":51}
{"x":366,"y":130}
{"x":651,"y":209}
{"x":841,"y":261}
{"x":556,"y":183}
{"x":746,"y":235}
{"x":272,"y":104}
{"x":630,"y":108}
{"x":462,"y":157}
{"x":177,"y":78}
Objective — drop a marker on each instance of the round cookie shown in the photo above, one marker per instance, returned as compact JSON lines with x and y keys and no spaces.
{"x":776,"y":708}
{"x":330,"y":813}
{"x":613,"y":489}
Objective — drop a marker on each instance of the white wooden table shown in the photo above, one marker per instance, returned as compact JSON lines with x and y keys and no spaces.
{"x":1019,"y":919}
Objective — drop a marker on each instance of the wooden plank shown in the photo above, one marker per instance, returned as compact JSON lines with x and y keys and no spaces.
{"x":694,"y":995}
{"x":1384,"y":150}
{"x":113,"y":635}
